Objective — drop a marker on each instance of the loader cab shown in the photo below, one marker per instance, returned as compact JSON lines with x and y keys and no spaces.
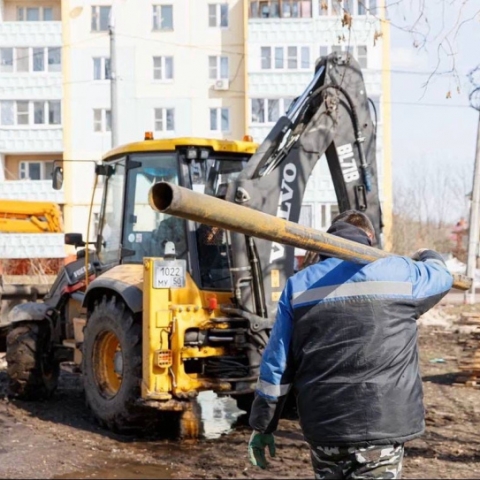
{"x":129,"y":229}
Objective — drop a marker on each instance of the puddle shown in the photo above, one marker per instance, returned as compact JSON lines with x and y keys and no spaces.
{"x":218,"y":414}
{"x":127,"y":471}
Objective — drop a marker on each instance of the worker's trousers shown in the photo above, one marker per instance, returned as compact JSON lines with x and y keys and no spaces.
{"x":377,"y":461}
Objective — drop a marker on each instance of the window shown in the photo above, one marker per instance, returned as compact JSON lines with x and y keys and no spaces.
{"x":323,"y":7}
{"x":305,"y":57}
{"x":25,"y":59}
{"x":38,"y":59}
{"x":280,"y":9}
{"x":354,"y":7}
{"x":102,"y":120}
{"x":306,"y":216}
{"x":34,"y":14}
{"x":164,"y":119}
{"x":101,"y":68}
{"x":163,"y":17}
{"x":54,"y":115}
{"x":163,"y":68}
{"x":38,"y":113}
{"x":100,"y":18}
{"x":279,"y":57}
{"x":7,"y":109}
{"x":220,"y":119}
{"x":21,"y":59}
{"x":359,"y":52}
{"x":6,"y":59}
{"x":291,"y":58}
{"x":328,"y":212}
{"x":32,"y":170}
{"x":218,"y":15}
{"x":24,"y":112}
{"x":269,"y":110}
{"x":266,"y":56}
{"x":54,"y":59}
{"x":217,"y":67}
{"x":362,"y":55}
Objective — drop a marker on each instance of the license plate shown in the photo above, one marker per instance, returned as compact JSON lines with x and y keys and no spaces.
{"x":170,"y":274}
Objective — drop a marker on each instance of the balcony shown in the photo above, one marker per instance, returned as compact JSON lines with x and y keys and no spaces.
{"x":30,"y":34}
{"x":31,"y":190}
{"x":31,"y":140}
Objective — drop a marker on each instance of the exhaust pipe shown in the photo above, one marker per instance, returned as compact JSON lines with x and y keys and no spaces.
{"x":172,"y":199}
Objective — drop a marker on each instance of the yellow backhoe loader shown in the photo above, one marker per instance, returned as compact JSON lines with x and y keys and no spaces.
{"x":163,"y":308}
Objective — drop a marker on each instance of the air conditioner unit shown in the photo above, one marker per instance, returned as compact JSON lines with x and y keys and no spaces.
{"x":222,"y":84}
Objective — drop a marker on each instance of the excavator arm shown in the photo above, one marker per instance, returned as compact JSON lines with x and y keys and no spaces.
{"x":18,"y":216}
{"x":330,"y":118}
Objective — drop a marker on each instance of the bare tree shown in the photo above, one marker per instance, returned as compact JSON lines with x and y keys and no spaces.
{"x":427,"y":206}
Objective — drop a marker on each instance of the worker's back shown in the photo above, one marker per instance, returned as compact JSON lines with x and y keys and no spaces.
{"x":354,"y":347}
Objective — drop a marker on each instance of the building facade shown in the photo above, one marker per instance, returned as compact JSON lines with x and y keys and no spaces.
{"x":184,"y":68}
{"x":31,"y":130}
{"x":285,"y":38}
{"x":180,"y":72}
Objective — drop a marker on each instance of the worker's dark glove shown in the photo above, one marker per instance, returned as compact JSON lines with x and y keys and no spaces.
{"x":418,"y":254}
{"x":256,"y":448}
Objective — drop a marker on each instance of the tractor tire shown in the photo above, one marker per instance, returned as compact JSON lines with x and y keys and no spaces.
{"x":31,"y":367}
{"x":112,"y":367}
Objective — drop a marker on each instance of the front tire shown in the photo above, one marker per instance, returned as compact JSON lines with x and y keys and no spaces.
{"x":112,"y":366}
{"x":31,"y":367}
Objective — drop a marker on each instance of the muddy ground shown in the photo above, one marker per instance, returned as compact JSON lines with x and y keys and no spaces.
{"x":58,"y":439}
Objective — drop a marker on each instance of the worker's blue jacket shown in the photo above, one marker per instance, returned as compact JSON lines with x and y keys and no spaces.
{"x":345,"y":337}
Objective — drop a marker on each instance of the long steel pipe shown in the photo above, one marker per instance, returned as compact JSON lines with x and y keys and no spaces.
{"x":168,"y":198}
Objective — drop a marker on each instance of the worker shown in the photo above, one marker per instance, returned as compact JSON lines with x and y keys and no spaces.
{"x":345,"y":338}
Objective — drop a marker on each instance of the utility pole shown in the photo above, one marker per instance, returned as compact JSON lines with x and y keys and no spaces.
{"x":474,"y":226}
{"x":113,"y":79}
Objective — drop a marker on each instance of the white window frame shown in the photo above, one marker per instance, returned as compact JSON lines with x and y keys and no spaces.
{"x":95,"y":17}
{"x":24,"y":166}
{"x":30,"y":114}
{"x":22,"y":14}
{"x":357,"y":8}
{"x":30,"y":60}
{"x":160,"y":115}
{"x":275,"y":9}
{"x":303,"y":209}
{"x":215,"y":73}
{"x":216,"y":18}
{"x":353,"y":49}
{"x":284,"y":103}
{"x":219,"y":113}
{"x":157,"y":18}
{"x":163,"y":68}
{"x":286,"y":50}
{"x":103,"y":122}
{"x":103,"y":68}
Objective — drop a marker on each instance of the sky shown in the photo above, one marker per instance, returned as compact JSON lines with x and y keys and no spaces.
{"x":432,"y":135}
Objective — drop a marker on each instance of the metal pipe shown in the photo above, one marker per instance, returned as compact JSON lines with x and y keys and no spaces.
{"x":168,"y":198}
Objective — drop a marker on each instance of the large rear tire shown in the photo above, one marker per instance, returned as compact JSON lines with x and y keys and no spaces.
{"x":112,"y":368}
{"x":31,"y":367}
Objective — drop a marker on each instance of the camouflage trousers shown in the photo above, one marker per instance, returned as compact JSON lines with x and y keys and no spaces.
{"x":375,"y":461}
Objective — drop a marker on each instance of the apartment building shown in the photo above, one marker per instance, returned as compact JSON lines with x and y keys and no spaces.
{"x":285,"y":37}
{"x":180,"y":72}
{"x":184,"y":68}
{"x":31,"y":136}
